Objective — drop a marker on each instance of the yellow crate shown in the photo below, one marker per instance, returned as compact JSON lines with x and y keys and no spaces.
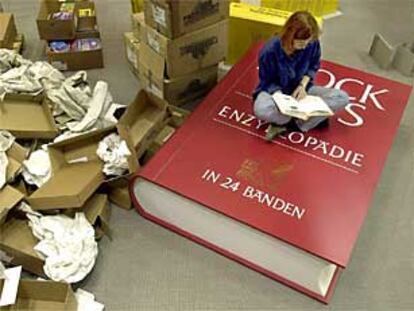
{"x":249,"y":24}
{"x":316,"y":7}
{"x":137,"y":6}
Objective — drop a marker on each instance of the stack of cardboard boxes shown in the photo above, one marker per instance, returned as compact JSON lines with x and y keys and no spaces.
{"x":71,"y":31}
{"x":182,"y":43}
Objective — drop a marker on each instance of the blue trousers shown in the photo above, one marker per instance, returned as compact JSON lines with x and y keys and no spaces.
{"x":265,"y":108}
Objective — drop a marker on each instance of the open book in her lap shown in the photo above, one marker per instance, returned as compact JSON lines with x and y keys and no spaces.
{"x":310,"y":106}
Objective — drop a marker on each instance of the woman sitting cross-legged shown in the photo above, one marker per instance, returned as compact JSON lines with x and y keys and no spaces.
{"x":288,"y":64}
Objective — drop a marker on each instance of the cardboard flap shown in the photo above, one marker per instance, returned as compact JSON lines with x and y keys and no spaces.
{"x":9,"y":198}
{"x":95,"y":208}
{"x":16,"y":155}
{"x":120,"y":197}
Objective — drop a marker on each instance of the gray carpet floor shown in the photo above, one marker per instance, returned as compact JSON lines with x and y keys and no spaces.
{"x":146,"y":267}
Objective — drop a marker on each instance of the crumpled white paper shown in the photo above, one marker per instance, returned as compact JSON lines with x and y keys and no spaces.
{"x":68,"y":245}
{"x":6,"y":141}
{"x":37,"y":170}
{"x":75,"y":108}
{"x":114,"y":152}
{"x":86,"y":301}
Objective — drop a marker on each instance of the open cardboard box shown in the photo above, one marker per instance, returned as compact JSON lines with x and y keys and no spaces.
{"x":176,"y":18}
{"x":53,"y":29}
{"x":8,"y":31}
{"x":16,"y":111}
{"x":43,"y":296}
{"x":118,"y":193}
{"x":176,"y":91}
{"x":142,"y":120}
{"x":9,"y":198}
{"x":76,"y":172}
{"x":77,"y":60}
{"x":17,"y":242}
{"x":194,"y":51}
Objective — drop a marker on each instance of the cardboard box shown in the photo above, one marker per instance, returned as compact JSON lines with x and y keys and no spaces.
{"x":194,"y":51}
{"x":177,"y":116}
{"x":163,"y":136}
{"x":86,"y":22}
{"x":16,"y":111}
{"x":16,"y":155}
{"x":176,"y":91}
{"x":9,"y":198}
{"x":44,"y":295}
{"x":141,"y":121}
{"x":249,"y":24}
{"x":137,"y":20}
{"x":52,"y":29}
{"x":120,"y":197}
{"x":132,"y":46}
{"x":18,"y":241}
{"x":8,"y":32}
{"x":76,"y":172}
{"x":77,"y":60}
{"x":175,"y":18}
{"x":98,"y":214}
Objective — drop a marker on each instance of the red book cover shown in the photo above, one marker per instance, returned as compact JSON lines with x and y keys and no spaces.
{"x":310,"y":190}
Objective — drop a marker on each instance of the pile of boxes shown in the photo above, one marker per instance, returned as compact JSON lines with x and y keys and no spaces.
{"x":181,"y":44}
{"x":77,"y":183}
{"x":71,"y":31}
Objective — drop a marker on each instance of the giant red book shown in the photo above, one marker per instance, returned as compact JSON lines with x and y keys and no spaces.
{"x":290,"y":209}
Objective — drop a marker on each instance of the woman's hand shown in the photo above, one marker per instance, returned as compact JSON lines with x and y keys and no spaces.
{"x":300,"y":92}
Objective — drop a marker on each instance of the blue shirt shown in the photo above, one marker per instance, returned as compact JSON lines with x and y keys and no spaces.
{"x":280,"y":72}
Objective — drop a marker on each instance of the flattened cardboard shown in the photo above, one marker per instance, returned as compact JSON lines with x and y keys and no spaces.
{"x":16,"y":155}
{"x":177,"y":116}
{"x":51,"y":29}
{"x":76,"y":172}
{"x":176,"y":18}
{"x":18,"y":241}
{"x":15,"y":113}
{"x":8,"y":31}
{"x":194,"y":51}
{"x":44,"y":295}
{"x":141,"y":121}
{"x":176,"y":91}
{"x":9,"y":198}
{"x":77,"y":60}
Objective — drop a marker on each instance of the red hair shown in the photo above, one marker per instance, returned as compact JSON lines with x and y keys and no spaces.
{"x":301,"y":26}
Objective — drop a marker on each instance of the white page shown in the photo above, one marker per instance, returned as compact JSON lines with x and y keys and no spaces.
{"x":11,"y":286}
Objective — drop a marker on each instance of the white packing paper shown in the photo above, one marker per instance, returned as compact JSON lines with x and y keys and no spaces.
{"x":37,"y":170}
{"x":114,"y":152}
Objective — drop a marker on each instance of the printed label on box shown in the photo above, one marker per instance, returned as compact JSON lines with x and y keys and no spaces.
{"x":199,"y":49}
{"x":153,"y":43}
{"x":159,"y":15}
